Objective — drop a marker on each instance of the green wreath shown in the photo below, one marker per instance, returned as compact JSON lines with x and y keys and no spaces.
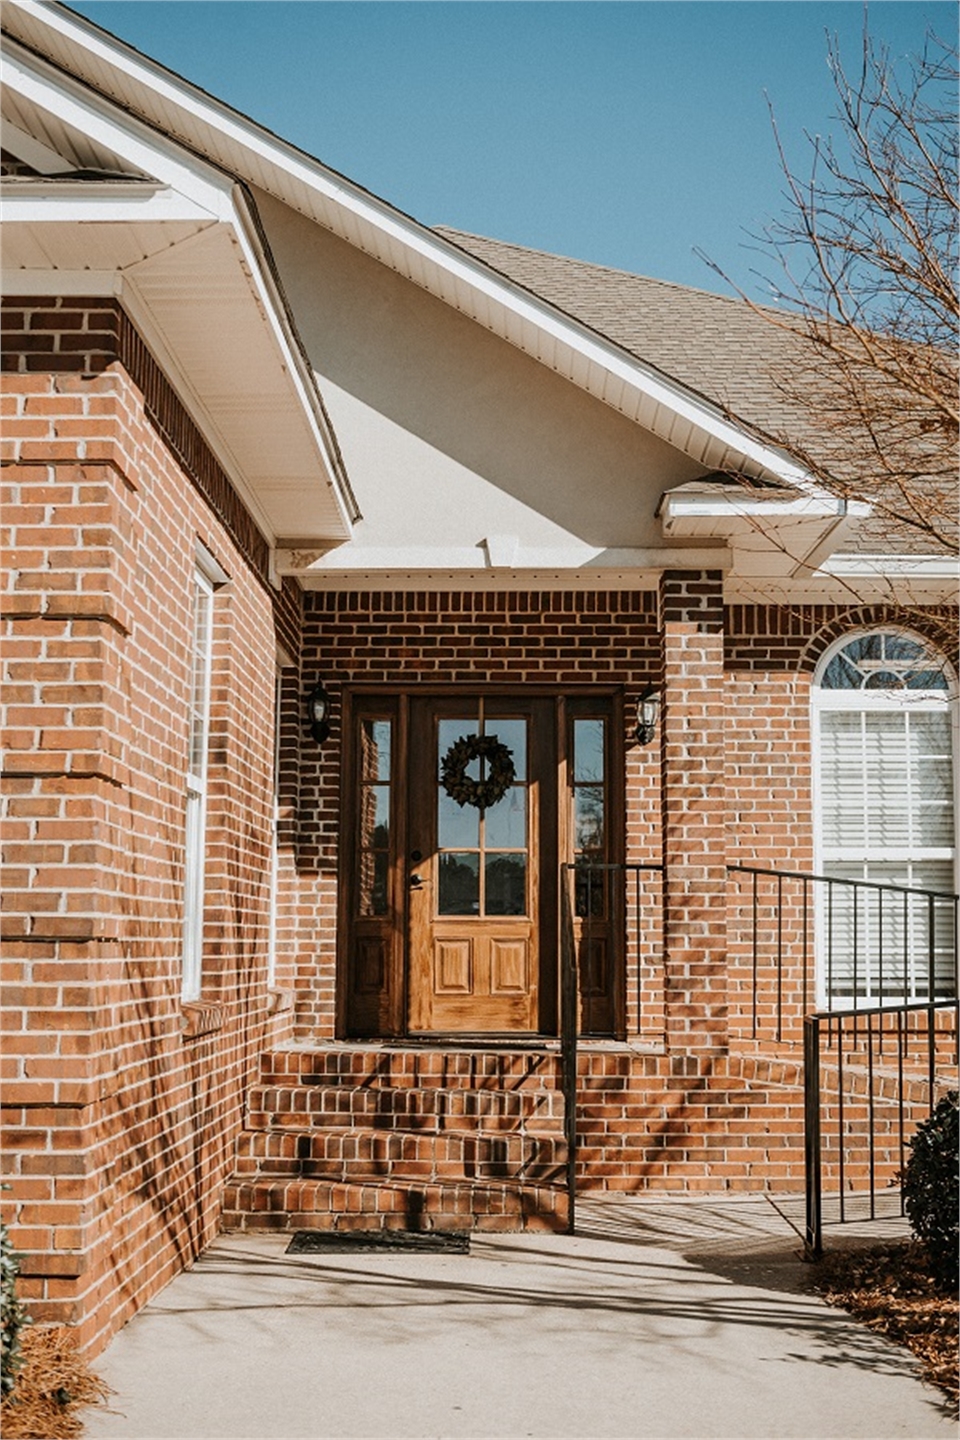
{"x":500,"y":771}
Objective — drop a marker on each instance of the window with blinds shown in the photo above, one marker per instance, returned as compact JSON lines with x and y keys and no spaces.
{"x":886,"y":819}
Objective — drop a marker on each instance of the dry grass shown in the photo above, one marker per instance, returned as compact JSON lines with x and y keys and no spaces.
{"x":53,"y":1384}
{"x":890,"y":1289}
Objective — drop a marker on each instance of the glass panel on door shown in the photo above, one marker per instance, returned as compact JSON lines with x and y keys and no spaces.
{"x":483,"y":852}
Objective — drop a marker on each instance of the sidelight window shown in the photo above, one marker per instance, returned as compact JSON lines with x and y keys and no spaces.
{"x":589,"y":812}
{"x":375,"y":815}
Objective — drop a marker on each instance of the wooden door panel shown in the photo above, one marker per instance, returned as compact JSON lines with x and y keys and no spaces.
{"x":510,"y":967}
{"x":453,"y":972}
{"x":475,"y":915}
{"x":371,"y":963}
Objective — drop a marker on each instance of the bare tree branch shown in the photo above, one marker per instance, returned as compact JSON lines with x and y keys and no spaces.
{"x":865,"y":268}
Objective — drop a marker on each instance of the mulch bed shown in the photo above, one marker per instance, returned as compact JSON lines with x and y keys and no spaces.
{"x":890,"y":1289}
{"x":53,"y":1384}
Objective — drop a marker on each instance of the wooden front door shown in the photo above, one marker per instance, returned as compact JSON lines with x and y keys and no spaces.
{"x":448,"y":921}
{"x":481,"y":881}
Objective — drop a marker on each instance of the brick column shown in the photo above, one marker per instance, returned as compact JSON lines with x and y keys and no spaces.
{"x":692,"y":798}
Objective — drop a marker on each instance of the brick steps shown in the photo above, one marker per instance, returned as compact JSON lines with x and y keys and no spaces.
{"x":357,"y":1152}
{"x":363,"y":1138}
{"x":434,"y":1108}
{"x":324,"y":1204}
{"x":401,"y":1069}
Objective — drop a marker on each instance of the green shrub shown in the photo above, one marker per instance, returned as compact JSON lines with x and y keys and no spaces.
{"x":14,"y":1315}
{"x":930,"y":1192}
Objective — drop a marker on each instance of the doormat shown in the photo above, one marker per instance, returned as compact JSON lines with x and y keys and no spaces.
{"x":347,"y":1242}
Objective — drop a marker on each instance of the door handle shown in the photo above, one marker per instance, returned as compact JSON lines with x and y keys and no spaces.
{"x":417,"y":882}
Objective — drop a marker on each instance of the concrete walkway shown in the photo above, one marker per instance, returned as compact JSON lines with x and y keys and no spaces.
{"x":660,"y":1318}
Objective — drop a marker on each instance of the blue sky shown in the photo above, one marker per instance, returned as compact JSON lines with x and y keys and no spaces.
{"x":627,"y":133}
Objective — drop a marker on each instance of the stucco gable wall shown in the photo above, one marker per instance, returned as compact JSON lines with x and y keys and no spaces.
{"x":449,"y":433}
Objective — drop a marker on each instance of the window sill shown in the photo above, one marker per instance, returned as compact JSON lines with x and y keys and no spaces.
{"x":199,"y":1018}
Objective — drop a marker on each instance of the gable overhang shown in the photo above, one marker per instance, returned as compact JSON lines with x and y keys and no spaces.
{"x":230,"y":140}
{"x":177,"y":242}
{"x":773,"y":533}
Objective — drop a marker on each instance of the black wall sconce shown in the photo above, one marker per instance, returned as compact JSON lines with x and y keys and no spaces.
{"x":648,"y":714}
{"x":318,"y":712}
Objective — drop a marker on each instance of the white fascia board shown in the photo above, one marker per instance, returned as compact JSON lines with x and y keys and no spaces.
{"x":934,"y":567}
{"x":145,"y":149}
{"x":676,"y":508}
{"x":323,"y":561}
{"x":61,"y":282}
{"x":485,"y":580}
{"x":819,"y":587}
{"x":95,"y":202}
{"x":422,"y":243}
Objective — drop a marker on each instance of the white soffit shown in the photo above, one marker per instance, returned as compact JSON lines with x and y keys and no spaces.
{"x":44,"y":140}
{"x":231,"y":140}
{"x":773,"y":533}
{"x":182,"y":253}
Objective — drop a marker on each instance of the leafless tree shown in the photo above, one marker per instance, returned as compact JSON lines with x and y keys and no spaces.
{"x":864,"y":283}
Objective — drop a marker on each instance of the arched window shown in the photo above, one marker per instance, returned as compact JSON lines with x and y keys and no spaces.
{"x":885,"y":815}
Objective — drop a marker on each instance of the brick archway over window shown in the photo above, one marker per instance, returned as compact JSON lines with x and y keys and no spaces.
{"x":936,"y":626}
{"x":884,"y":764}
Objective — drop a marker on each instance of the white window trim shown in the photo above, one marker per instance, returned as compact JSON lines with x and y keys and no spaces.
{"x":195,"y":841}
{"x":274,"y":839}
{"x":859,"y":701}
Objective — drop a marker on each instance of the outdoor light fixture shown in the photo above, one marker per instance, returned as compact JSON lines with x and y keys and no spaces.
{"x":318,"y":709}
{"x":648,"y":713}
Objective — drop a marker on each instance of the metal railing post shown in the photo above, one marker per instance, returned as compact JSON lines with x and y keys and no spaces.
{"x":568,"y":1036}
{"x":813,"y":1239}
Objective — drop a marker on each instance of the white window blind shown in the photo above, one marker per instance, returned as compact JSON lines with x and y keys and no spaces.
{"x":886,"y":815}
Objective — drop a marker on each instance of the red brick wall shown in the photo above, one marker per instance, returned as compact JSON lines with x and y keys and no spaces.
{"x":736,"y":765}
{"x":531,"y":639}
{"x":692,"y":797}
{"x":122,"y":1104}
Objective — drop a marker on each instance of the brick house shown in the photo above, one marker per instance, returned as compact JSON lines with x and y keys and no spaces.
{"x":362,"y":579}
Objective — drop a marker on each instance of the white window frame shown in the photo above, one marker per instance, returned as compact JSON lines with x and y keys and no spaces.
{"x":860,"y":701}
{"x":207,"y":576}
{"x":274,"y":838}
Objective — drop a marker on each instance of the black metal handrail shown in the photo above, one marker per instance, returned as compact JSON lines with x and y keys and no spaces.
{"x":866,"y":1029}
{"x":871,"y":934}
{"x":569,"y":1027}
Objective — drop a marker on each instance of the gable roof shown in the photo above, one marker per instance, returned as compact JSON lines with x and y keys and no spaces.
{"x":743,"y":358}
{"x":695,"y":369}
{"x":655,"y":399}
